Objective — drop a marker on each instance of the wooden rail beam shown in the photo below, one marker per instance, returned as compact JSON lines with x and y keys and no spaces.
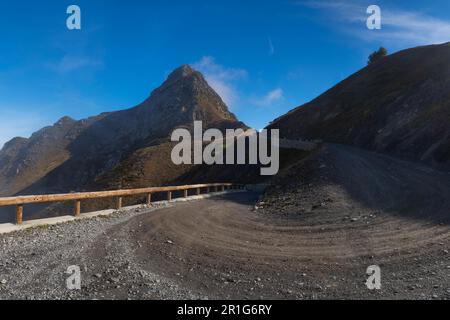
{"x":20,"y":201}
{"x":9,"y":201}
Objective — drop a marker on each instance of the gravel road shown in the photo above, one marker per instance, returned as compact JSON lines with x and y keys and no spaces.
{"x":306,"y":239}
{"x":222,"y":248}
{"x":34,"y":262}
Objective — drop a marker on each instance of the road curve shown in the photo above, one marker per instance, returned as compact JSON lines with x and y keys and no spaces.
{"x":223,"y":248}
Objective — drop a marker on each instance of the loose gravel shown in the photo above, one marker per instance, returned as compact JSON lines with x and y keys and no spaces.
{"x":34,"y":263}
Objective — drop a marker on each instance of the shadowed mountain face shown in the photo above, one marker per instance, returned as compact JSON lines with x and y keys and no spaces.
{"x":82,"y":155}
{"x":399,"y":105}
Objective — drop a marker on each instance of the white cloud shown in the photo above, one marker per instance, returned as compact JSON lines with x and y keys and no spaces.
{"x":270,"y":98}
{"x":416,"y":27}
{"x":70,"y":63}
{"x":221,"y":79}
{"x":399,"y":27}
{"x":274,"y":95}
{"x":224,"y":81}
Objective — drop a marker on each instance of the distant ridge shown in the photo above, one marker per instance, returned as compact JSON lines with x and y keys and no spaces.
{"x":76,"y":155}
{"x":399,"y":105}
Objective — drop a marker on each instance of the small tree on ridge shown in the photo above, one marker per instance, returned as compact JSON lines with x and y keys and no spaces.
{"x":377,"y":55}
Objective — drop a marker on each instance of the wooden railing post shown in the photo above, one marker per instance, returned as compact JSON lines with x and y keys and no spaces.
{"x":119,"y":203}
{"x":169,"y":196}
{"x":223,"y":188}
{"x":186,"y":193}
{"x":77,"y":208}
{"x":19,"y":214}
{"x":198,"y":191}
{"x":149,"y":199}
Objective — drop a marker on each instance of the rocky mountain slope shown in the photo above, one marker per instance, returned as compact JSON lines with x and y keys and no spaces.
{"x":399,"y":105}
{"x":82,"y":155}
{"x":351,"y":183}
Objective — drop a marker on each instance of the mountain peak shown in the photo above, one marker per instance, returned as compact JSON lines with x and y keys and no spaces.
{"x":185,"y":74}
{"x":183,"y":98}
{"x":182,"y":72}
{"x":65,"y":120}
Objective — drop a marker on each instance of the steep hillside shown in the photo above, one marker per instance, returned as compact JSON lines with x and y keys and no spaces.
{"x":340,"y":183}
{"x":24,"y":161}
{"x":399,"y":105}
{"x":78,"y":155}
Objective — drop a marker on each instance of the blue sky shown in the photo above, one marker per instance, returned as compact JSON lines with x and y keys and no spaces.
{"x":263,"y":57}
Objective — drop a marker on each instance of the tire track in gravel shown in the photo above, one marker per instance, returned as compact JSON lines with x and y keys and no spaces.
{"x":376,"y":210}
{"x":384,"y":211}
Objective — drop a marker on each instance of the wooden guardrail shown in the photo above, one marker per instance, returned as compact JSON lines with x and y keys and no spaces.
{"x":20,"y":201}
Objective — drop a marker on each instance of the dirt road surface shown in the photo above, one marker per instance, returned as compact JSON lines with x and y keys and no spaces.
{"x":226,"y":247}
{"x":222,"y":248}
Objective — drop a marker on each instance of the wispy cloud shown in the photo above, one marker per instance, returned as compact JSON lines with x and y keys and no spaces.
{"x":222,"y":79}
{"x":270,"y":98}
{"x":69,"y":63}
{"x":399,"y":27}
{"x":271,"y":47}
{"x":416,"y":27}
